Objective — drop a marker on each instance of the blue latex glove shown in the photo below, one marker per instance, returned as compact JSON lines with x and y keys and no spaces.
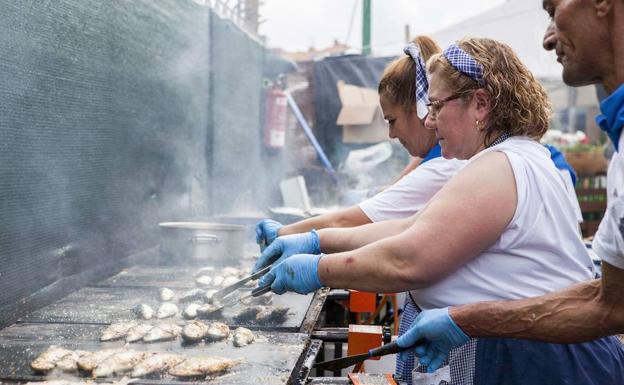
{"x":441,"y":334}
{"x":266,"y":232}
{"x":284,"y":247}
{"x":298,"y":273}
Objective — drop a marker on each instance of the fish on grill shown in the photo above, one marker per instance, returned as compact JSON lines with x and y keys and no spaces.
{"x":242,"y":337}
{"x":190,"y":311}
{"x":204,"y":271}
{"x":165,"y":294}
{"x":164,"y":332}
{"x":118,"y":363}
{"x":194,"y":331}
{"x":209,"y":311}
{"x":208,"y":295}
{"x":203,"y":280}
{"x":265,"y":299}
{"x":229,"y":281}
{"x":117,"y":330}
{"x":144,"y":311}
{"x":138,"y":332}
{"x":230,"y":272}
{"x":275,"y":315}
{"x":167,"y":310}
{"x":47,"y":360}
{"x":203,"y":366}
{"x":217,"y":331}
{"x":89,"y":360}
{"x":69,"y":363}
{"x":156,"y":363}
{"x":191,"y":296}
{"x":218,"y":280}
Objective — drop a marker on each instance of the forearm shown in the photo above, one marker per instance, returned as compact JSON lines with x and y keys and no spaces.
{"x":335,"y":240}
{"x":383,"y":266}
{"x":583,"y":312}
{"x":350,"y":217}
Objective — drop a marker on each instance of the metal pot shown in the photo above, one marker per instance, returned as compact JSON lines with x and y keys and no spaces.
{"x":202,"y":242}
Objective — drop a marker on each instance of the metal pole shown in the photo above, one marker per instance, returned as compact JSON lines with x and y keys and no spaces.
{"x":366,"y":27}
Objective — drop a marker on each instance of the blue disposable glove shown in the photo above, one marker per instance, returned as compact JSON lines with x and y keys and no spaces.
{"x":440,"y":333}
{"x":266,"y":232}
{"x":284,"y":247}
{"x":298,"y":273}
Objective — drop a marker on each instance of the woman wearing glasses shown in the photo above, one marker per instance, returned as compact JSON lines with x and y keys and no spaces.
{"x":501,"y":228}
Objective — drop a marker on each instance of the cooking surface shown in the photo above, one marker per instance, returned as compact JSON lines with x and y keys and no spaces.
{"x":153,"y":276}
{"x":106,"y":305}
{"x":268,"y":360}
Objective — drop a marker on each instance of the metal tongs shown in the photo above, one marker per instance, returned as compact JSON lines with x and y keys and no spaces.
{"x":345,"y":362}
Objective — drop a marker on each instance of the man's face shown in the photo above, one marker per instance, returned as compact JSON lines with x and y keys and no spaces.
{"x":579,"y":38}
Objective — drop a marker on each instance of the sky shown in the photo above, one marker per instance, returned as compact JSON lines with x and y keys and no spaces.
{"x":296,"y":25}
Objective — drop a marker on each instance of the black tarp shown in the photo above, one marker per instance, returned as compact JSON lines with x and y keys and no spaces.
{"x":358,"y":70}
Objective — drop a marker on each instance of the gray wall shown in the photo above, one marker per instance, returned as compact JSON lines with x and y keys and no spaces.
{"x":108,"y":125}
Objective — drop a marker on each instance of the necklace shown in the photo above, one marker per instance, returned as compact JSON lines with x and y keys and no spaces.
{"x":503,"y":137}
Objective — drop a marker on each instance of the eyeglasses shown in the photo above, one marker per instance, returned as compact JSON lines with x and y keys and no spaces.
{"x":435,"y":106}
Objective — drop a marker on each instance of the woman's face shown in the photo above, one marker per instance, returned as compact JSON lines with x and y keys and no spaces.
{"x":454,"y":121}
{"x":405,"y":125}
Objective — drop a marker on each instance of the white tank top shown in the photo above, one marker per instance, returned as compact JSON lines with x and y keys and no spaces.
{"x":540,"y":251}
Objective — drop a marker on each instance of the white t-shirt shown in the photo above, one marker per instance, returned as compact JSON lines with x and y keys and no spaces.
{"x":412,"y":192}
{"x":609,"y":239}
{"x":540,"y":251}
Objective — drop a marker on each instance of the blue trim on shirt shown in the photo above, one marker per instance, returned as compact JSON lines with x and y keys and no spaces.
{"x":560,"y":161}
{"x":611,"y":120}
{"x":435,"y":152}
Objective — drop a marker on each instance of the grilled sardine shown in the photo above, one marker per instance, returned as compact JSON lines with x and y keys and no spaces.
{"x":242,"y":337}
{"x":156,"y":363}
{"x":138,"y":332}
{"x":194,"y":331}
{"x":144,"y":311}
{"x":166,"y":294}
{"x":118,"y":363}
{"x":164,"y":332}
{"x":217,"y":331}
{"x":202,"y":366}
{"x":167,"y":310}
{"x":47,"y":360}
{"x":117,"y":330}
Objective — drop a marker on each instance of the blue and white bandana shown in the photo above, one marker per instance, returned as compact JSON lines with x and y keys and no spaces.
{"x":464,"y":63}
{"x":422,"y":84}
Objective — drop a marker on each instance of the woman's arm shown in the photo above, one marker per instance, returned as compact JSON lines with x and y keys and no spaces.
{"x":349,"y":217}
{"x":582,"y":312}
{"x":464,"y":218}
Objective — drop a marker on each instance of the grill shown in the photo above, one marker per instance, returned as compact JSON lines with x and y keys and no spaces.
{"x":281,"y":354}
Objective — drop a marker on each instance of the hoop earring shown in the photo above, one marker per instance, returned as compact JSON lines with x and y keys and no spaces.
{"x":477,"y":123}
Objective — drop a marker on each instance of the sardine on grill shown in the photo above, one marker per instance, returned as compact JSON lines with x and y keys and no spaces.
{"x":208,"y":270}
{"x":218,"y":280}
{"x":242,"y":337}
{"x":203,"y":280}
{"x":229,"y":281}
{"x":167,"y":310}
{"x":47,"y":360}
{"x":217,"y":331}
{"x":191,"y":296}
{"x":144,"y":311}
{"x":117,"y":330}
{"x":202,"y":366}
{"x":190,"y":311}
{"x":69,"y":363}
{"x":138,"y":332}
{"x":166,"y":294}
{"x":209,"y":311}
{"x":164,"y":332}
{"x":118,"y":363}
{"x":229,"y":272}
{"x":156,"y":363}
{"x":194,"y":331}
{"x":208,"y":295}
{"x":88,"y":361}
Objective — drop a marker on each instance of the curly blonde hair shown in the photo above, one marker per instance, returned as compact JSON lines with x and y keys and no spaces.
{"x":520,"y":103}
{"x":398,"y":81}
